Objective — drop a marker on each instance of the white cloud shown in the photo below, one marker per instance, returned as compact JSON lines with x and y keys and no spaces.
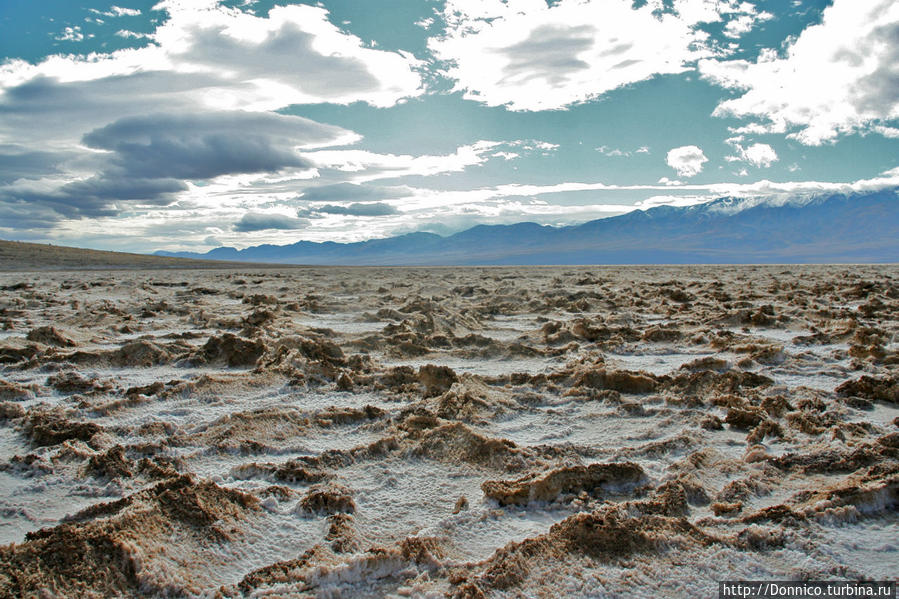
{"x":758,"y":155}
{"x":744,"y":23}
{"x":532,"y":145}
{"x":890,"y":132}
{"x":204,"y":57}
{"x":686,"y":160}
{"x":528,"y":55}
{"x":117,"y":11}
{"x":370,"y":166}
{"x":607,"y":151}
{"x":534,"y":55}
{"x":698,"y":11}
{"x":132,"y":34}
{"x":838,"y":77}
{"x":124,"y":12}
{"x":360,"y":166}
{"x":294,"y":55}
{"x":70,"y":34}
{"x":669,"y":200}
{"x":694,"y":12}
{"x":619,"y":153}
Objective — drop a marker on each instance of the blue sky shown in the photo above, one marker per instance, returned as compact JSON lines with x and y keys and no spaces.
{"x":181,"y":124}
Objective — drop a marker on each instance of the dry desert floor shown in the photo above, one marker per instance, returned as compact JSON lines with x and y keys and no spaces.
{"x":446,"y":432}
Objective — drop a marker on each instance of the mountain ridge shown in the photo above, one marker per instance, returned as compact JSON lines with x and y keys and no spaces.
{"x":858,"y":227}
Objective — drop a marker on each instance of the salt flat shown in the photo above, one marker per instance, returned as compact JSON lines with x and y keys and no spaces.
{"x":461,"y":432}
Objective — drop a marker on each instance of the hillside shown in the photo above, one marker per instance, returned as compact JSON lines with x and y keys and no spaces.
{"x":21,"y":256}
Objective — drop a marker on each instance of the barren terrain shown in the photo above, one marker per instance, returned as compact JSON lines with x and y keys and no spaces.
{"x":446,"y":432}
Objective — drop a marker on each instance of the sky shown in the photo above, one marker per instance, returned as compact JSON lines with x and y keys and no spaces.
{"x":194,"y":124}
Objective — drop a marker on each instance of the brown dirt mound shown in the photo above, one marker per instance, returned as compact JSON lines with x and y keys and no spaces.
{"x":662,"y":334}
{"x":622,"y":381}
{"x":341,"y":534}
{"x":231,"y":350}
{"x":324,"y":566}
{"x":292,"y":471}
{"x":10,"y":411}
{"x":106,"y":550}
{"x":337,"y":416}
{"x":49,"y":336}
{"x":708,"y":382}
{"x":457,"y":443}
{"x":110,"y":464}
{"x":706,"y":363}
{"x":328,"y":498}
{"x":436,"y":379}
{"x":73,"y":382}
{"x":870,"y":493}
{"x":47,"y":428}
{"x":606,"y":535}
{"x":453,"y":443}
{"x":14,"y":391}
{"x":314,"y":348}
{"x":744,"y":418}
{"x":595,"y":479}
{"x":141,"y":353}
{"x":13,"y":355}
{"x":839,"y":460}
{"x":242,"y":430}
{"x":869,"y":387}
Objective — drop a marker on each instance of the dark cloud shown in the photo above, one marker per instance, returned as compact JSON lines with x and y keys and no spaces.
{"x":285,"y":55}
{"x":18,"y":217}
{"x":93,"y":197}
{"x":151,"y":156}
{"x":203,"y":146}
{"x":112,"y":188}
{"x":64,"y":110}
{"x":358,"y":209}
{"x":348,"y":192}
{"x":352,"y":192}
{"x":254,"y":221}
{"x":549,"y":53}
{"x":17,"y":162}
{"x":879,"y":91}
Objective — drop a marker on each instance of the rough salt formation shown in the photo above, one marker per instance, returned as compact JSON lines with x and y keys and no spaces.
{"x":451,"y":432}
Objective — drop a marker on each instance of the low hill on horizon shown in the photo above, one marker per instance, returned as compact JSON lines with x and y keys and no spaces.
{"x":24,"y":256}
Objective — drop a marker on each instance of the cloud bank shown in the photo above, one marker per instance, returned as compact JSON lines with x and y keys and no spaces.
{"x":256,"y":221}
{"x":534,"y":55}
{"x":836,"y":78}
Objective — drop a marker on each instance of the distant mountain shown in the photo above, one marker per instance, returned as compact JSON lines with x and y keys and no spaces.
{"x":819,"y":229}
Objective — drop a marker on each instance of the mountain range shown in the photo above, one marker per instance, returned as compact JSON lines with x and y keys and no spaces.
{"x":828,"y":228}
